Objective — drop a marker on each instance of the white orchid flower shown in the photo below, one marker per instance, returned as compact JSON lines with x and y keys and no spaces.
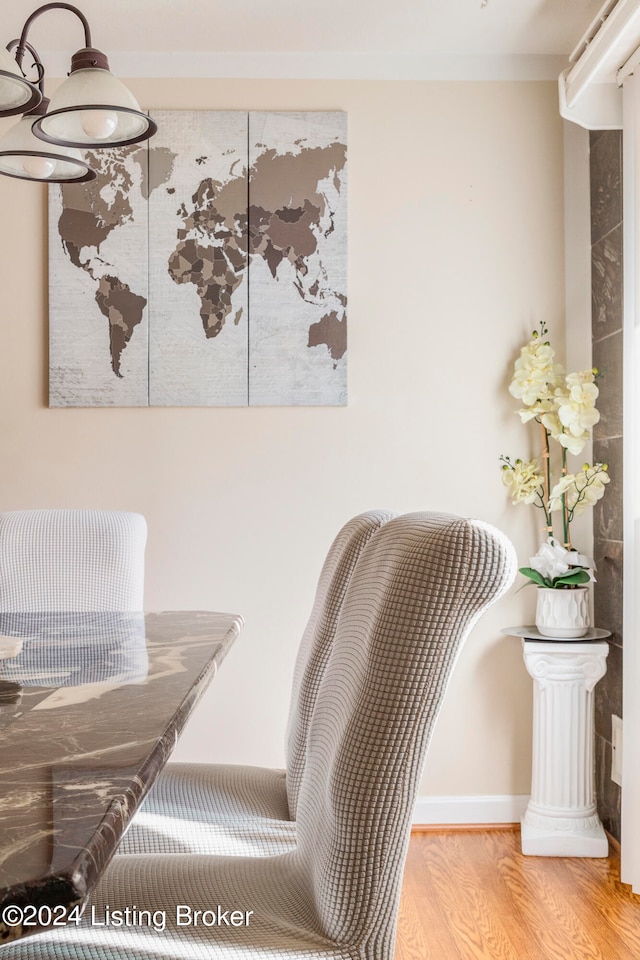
{"x":565,"y":407}
{"x":572,"y":443}
{"x":581,"y":490}
{"x":577,"y":411}
{"x":524,"y":480}
{"x":535,"y":374}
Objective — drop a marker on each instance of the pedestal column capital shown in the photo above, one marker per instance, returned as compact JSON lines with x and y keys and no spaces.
{"x":566,"y":662}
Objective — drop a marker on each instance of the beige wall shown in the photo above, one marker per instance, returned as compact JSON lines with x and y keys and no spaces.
{"x":455,"y":252}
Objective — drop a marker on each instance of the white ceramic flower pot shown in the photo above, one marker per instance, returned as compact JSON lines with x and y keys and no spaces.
{"x":563,"y":613}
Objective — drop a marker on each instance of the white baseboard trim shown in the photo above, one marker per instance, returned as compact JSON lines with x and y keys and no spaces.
{"x":445,"y":810}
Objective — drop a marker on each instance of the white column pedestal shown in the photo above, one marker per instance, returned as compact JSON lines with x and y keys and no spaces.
{"x":561,"y":819}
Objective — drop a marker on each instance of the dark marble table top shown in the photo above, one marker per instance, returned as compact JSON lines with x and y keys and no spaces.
{"x":90,"y":710}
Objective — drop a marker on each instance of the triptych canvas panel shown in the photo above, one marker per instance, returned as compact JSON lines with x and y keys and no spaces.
{"x":206,"y":268}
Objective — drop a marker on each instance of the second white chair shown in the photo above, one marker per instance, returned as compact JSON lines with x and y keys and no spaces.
{"x":71,"y":560}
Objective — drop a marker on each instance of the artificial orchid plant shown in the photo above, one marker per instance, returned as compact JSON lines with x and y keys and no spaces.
{"x":564,"y":405}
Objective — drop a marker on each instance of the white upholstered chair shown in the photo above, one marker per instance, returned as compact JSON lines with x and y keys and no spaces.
{"x":71,"y":560}
{"x":417,"y":590}
{"x":243,"y":810}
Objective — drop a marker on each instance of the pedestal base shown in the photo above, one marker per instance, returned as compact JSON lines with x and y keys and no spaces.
{"x":547,"y":842}
{"x":562,"y":819}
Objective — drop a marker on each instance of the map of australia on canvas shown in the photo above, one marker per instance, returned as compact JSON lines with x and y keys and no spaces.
{"x":206,"y":268}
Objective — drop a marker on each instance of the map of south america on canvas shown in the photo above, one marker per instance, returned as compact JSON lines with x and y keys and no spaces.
{"x":241,"y":297}
{"x":98,"y":284}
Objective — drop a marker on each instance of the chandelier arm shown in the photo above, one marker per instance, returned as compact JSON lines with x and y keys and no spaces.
{"x":37,"y":62}
{"x":23,"y":46}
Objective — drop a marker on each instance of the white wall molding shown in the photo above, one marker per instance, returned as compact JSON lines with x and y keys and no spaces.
{"x":320,"y":66}
{"x":599,"y":106}
{"x":456,"y":810}
{"x":590,"y":92}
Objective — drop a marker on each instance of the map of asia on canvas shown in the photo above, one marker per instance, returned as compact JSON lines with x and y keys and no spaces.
{"x":205,"y":268}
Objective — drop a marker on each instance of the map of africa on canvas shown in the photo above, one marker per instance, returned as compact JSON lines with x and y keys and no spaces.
{"x":205,"y":268}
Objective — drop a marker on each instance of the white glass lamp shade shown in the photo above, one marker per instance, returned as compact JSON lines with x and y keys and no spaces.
{"x":24,"y":156}
{"x":92,"y":108}
{"x":17,"y":95}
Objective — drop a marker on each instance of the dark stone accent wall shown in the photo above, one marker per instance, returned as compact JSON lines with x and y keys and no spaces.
{"x":606,"y":326}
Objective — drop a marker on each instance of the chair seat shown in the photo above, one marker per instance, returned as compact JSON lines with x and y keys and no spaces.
{"x":213,"y":809}
{"x":281,"y":923}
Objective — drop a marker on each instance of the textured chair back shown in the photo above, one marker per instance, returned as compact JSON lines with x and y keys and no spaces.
{"x":417,"y":590}
{"x":71,"y":560}
{"x":317,"y":640}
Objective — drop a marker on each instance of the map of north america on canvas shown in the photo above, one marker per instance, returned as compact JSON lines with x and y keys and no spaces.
{"x":207,"y":268}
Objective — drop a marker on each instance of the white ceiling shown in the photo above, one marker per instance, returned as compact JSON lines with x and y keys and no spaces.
{"x":375,"y":28}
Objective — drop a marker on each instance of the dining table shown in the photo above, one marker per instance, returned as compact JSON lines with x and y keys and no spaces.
{"x":91,"y":707}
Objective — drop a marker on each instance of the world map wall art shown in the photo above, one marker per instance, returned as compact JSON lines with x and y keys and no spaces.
{"x":205,"y":268}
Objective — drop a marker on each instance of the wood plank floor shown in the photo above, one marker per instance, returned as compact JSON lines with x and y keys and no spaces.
{"x":473,"y":896}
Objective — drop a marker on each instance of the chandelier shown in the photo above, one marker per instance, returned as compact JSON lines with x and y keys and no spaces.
{"x":90,"y":110}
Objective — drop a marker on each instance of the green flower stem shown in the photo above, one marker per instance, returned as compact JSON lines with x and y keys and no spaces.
{"x":546,"y":467}
{"x":565,"y":509}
